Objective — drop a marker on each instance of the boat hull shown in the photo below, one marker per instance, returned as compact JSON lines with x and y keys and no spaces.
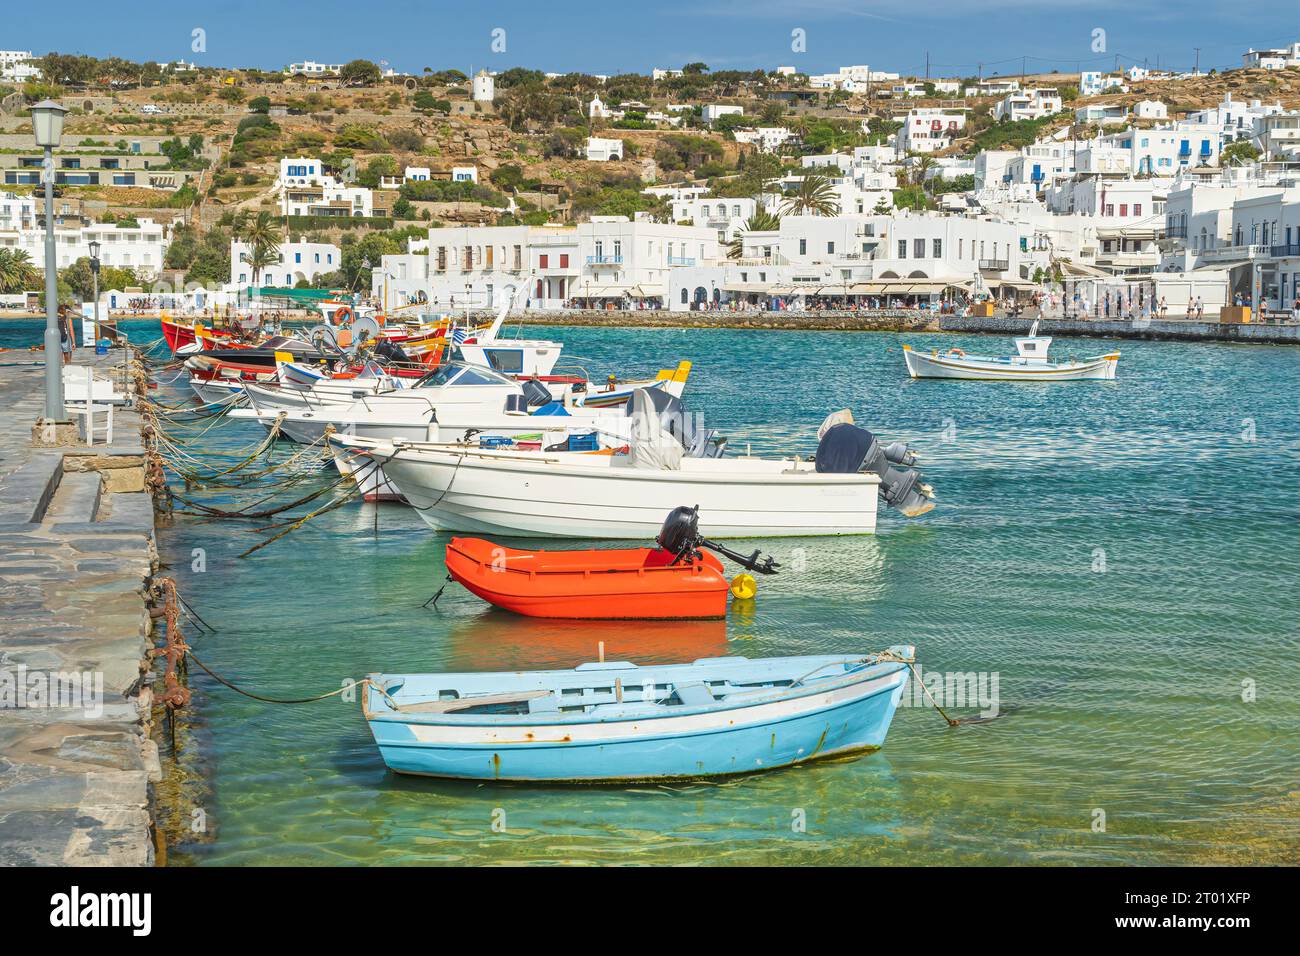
{"x":973,"y":368}
{"x":850,"y":719}
{"x":510,"y":495}
{"x":630,"y":584}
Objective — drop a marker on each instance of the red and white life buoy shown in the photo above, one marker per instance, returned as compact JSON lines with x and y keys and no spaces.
{"x":342,"y":315}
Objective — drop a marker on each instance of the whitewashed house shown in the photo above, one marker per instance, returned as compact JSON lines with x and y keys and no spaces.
{"x":297,"y":261}
{"x":604,"y":150}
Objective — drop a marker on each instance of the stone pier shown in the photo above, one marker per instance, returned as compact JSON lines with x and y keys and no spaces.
{"x":76,"y":550}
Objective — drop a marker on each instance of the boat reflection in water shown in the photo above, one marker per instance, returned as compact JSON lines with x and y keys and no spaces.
{"x":499,"y":640}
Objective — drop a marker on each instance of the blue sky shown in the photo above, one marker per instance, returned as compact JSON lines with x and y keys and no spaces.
{"x":613,"y":37}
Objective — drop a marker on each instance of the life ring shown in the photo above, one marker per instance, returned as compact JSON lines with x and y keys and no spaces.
{"x":958,"y":352}
{"x":341,"y":313}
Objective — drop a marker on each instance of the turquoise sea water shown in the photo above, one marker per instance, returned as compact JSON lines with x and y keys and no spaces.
{"x":1124,"y":556}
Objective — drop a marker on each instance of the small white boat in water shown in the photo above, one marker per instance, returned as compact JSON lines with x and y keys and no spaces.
{"x":623,"y":492}
{"x":1030,"y":364}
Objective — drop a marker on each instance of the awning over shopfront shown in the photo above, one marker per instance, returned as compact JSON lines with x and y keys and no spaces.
{"x":616,"y":291}
{"x":756,"y":288}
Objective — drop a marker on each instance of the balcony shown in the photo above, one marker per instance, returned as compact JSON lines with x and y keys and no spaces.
{"x":604,"y":260}
{"x":994,"y":265}
{"x":680,"y":261}
{"x":1176,"y":231}
{"x":1285,"y":251}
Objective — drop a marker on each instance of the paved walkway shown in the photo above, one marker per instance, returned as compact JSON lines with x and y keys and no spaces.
{"x":76,"y":548}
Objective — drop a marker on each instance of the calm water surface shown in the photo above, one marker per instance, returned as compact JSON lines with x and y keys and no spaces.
{"x":1123,"y":555}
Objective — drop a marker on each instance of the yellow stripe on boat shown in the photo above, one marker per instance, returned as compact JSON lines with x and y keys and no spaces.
{"x":679,"y":374}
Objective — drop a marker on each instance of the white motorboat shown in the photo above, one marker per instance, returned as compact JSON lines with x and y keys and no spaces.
{"x":1031,"y":363}
{"x":623,"y":493}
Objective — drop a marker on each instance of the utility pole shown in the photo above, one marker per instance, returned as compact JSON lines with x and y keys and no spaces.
{"x":1024,"y":61}
{"x":1197,"y":69}
{"x":927,"y":64}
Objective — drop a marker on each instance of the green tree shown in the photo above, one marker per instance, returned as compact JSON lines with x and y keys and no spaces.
{"x":1239,"y":153}
{"x":17,"y":274}
{"x":261,"y":232}
{"x":761,"y":221}
{"x":360,"y":73}
{"x":814,"y":196}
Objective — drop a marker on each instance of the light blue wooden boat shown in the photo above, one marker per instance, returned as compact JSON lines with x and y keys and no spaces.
{"x":616,"y":722}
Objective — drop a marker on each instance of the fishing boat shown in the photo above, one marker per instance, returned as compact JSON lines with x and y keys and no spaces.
{"x":622,"y":493}
{"x":678,"y":579}
{"x":616,"y":722}
{"x":1030,"y":364}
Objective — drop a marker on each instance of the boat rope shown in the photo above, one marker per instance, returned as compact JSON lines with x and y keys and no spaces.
{"x":433,"y":601}
{"x":282,"y":700}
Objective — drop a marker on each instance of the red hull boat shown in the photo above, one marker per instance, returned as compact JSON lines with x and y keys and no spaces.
{"x":634,"y":583}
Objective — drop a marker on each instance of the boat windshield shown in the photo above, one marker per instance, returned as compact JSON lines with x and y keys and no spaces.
{"x":460,"y":373}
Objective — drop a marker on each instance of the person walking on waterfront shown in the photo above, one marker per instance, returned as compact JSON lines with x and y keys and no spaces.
{"x":1164,"y":307}
{"x":1200,"y":309}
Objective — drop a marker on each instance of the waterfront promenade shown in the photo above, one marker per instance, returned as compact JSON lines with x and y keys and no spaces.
{"x":76,"y":551}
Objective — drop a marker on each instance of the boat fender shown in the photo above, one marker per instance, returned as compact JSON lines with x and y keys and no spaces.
{"x":744,"y":587}
{"x":957,"y":352}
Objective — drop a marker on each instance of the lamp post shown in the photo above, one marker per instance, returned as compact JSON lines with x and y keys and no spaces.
{"x":47,"y":124}
{"x":94,"y":273}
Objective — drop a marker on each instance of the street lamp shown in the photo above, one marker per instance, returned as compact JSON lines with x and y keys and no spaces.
{"x":47,"y":124}
{"x":94,"y":272}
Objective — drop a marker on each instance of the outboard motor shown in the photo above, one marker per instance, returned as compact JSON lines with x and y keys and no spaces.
{"x":391,"y":352}
{"x":536,"y":394}
{"x":680,"y":537}
{"x":847,"y":449}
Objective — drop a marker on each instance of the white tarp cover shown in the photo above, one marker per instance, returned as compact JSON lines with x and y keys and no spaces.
{"x":652,"y":446}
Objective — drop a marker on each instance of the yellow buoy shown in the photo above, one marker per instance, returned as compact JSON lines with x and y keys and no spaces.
{"x":744,"y":587}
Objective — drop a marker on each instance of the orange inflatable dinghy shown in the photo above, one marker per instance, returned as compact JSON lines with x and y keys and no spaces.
{"x":635,"y":583}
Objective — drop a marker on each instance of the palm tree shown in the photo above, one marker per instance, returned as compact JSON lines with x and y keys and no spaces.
{"x":761,"y":221}
{"x":921,"y":170}
{"x":17,"y":274}
{"x":814,"y":197}
{"x":263,"y":237}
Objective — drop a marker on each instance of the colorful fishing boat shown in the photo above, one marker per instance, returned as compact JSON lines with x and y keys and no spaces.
{"x":1030,"y":364}
{"x":615,"y":722}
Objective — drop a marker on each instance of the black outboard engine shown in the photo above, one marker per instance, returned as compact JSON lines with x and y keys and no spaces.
{"x":391,"y":352}
{"x":536,"y":394}
{"x":680,"y":537}
{"x":846,"y":449}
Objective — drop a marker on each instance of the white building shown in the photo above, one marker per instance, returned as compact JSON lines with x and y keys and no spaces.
{"x":311,"y":68}
{"x":1028,"y":105}
{"x":659,"y":74}
{"x":610,"y":260}
{"x":1151,"y":109}
{"x":714,"y":111}
{"x":17,"y":212}
{"x":724,"y":216}
{"x":604,"y":150}
{"x":1094,"y":83}
{"x":304,"y":188}
{"x":140,"y":247}
{"x":417,"y":174}
{"x":297,"y":262}
{"x":464,"y":174}
{"x":928,"y":129}
{"x":1233,"y":119}
{"x":1275,"y":59}
{"x":484,"y":87}
{"x":767,"y":139}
